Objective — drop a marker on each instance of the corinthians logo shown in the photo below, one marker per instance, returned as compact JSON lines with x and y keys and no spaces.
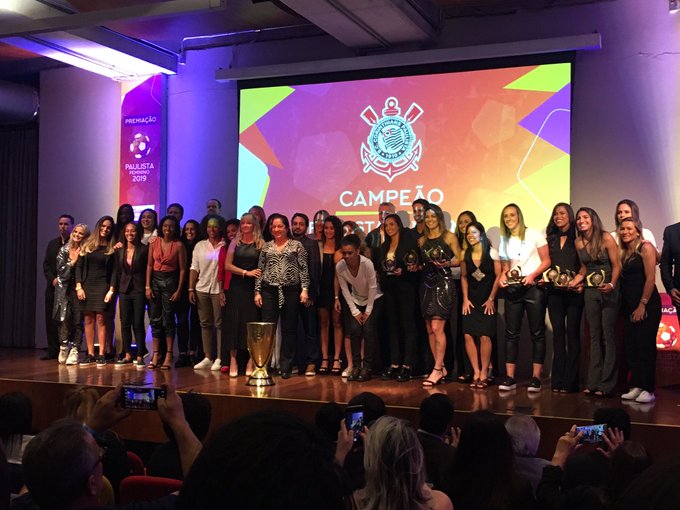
{"x":391,"y":147}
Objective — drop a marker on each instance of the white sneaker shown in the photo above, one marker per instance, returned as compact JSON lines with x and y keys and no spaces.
{"x":72,"y":356}
{"x":216,"y":365}
{"x":63,"y":354}
{"x":632,"y":394}
{"x":645,"y":397}
{"x":202,"y":365}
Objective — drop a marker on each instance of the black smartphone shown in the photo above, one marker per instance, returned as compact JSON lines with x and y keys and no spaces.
{"x":354,"y":420}
{"x":140,"y":397}
{"x":591,"y":433}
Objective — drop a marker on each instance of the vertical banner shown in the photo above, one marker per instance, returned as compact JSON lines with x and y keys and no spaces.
{"x":142,"y":144}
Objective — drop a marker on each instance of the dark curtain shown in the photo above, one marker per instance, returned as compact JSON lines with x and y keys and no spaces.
{"x":18,"y":243}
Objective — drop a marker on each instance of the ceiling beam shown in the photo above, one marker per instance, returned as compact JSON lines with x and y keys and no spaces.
{"x":459,"y":54}
{"x":102,"y":17}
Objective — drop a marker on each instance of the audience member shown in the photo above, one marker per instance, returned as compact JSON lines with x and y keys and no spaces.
{"x":526,"y":437}
{"x":483,"y":474}
{"x":16,"y":418}
{"x":79,"y":405}
{"x":435,"y":418}
{"x":657,"y":488}
{"x":327,"y":419}
{"x":394,"y":466}
{"x":627,"y":462}
{"x":614,"y":418}
{"x":269,"y":460}
{"x":165,"y":460}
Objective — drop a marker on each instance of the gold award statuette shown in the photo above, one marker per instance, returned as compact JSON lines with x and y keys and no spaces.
{"x":389,"y":266}
{"x":260,"y":346}
{"x":410,"y":258}
{"x":595,"y":279}
{"x":557,"y":277}
{"x":514,"y":276}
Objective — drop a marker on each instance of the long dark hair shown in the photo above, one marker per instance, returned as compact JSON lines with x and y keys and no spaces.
{"x":485,"y":242}
{"x":459,"y":234}
{"x":594,"y":245}
{"x":553,"y":232}
{"x":139,"y":233}
{"x":337,"y":226}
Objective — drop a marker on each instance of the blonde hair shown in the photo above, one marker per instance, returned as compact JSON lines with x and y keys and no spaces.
{"x":80,"y":402}
{"x":505,"y":231}
{"x":257,"y":231}
{"x":626,"y":252}
{"x":395,"y":467}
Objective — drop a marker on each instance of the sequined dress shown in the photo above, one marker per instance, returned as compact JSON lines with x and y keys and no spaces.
{"x":437,"y":289}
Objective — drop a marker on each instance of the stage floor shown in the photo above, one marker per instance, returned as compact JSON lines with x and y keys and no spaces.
{"x":46,"y":382}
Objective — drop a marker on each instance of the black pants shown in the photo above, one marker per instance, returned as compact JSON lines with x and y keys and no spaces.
{"x":368,"y":331}
{"x":188,"y":326}
{"x":51,"y":326}
{"x":289,"y":318}
{"x":565,"y":309}
{"x":640,"y":345}
{"x":531,"y":300}
{"x":400,"y":303}
{"x":132,"y":308}
{"x":161,"y":309}
{"x":309,"y":340}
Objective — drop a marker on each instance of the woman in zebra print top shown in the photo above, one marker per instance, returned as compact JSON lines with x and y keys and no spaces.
{"x":283,"y":286}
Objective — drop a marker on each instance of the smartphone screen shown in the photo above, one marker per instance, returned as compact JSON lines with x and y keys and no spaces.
{"x":592,"y":433}
{"x":139,"y":397}
{"x":354,"y":420}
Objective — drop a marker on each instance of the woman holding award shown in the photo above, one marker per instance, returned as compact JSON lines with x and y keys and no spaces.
{"x":397,"y":261}
{"x":480,"y":271}
{"x":565,"y":304}
{"x":600,"y":271}
{"x":438,"y":247}
{"x":524,"y":256}
{"x":641,"y":305}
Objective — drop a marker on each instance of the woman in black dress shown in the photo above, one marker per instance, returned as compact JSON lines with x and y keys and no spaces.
{"x":641,"y":304}
{"x":438,"y":247}
{"x":565,"y":304}
{"x":480,"y":272}
{"x":243,"y":255}
{"x":329,"y":247}
{"x":398,"y":257}
{"x":93,"y":276}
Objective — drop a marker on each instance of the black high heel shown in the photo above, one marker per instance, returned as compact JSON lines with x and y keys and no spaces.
{"x":336,"y":370}
{"x":429,"y":383}
{"x":324,"y":370}
{"x":154,"y":361}
{"x":167,"y":364}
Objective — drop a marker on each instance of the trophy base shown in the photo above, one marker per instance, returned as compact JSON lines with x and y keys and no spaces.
{"x":260,"y":378}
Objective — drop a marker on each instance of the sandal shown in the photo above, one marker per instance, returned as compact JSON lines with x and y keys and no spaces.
{"x":324,"y":370}
{"x":474,"y":383}
{"x":429,"y":383}
{"x":167,"y":364}
{"x":154,"y":361}
{"x":336,"y":370}
{"x":464,"y":379}
{"x":233,"y":370}
{"x":482,"y":384}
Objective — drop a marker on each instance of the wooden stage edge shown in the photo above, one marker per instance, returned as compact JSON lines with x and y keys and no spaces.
{"x":657,"y":425}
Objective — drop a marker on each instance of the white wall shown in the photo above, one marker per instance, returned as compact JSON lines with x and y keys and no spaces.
{"x":78,"y":157}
